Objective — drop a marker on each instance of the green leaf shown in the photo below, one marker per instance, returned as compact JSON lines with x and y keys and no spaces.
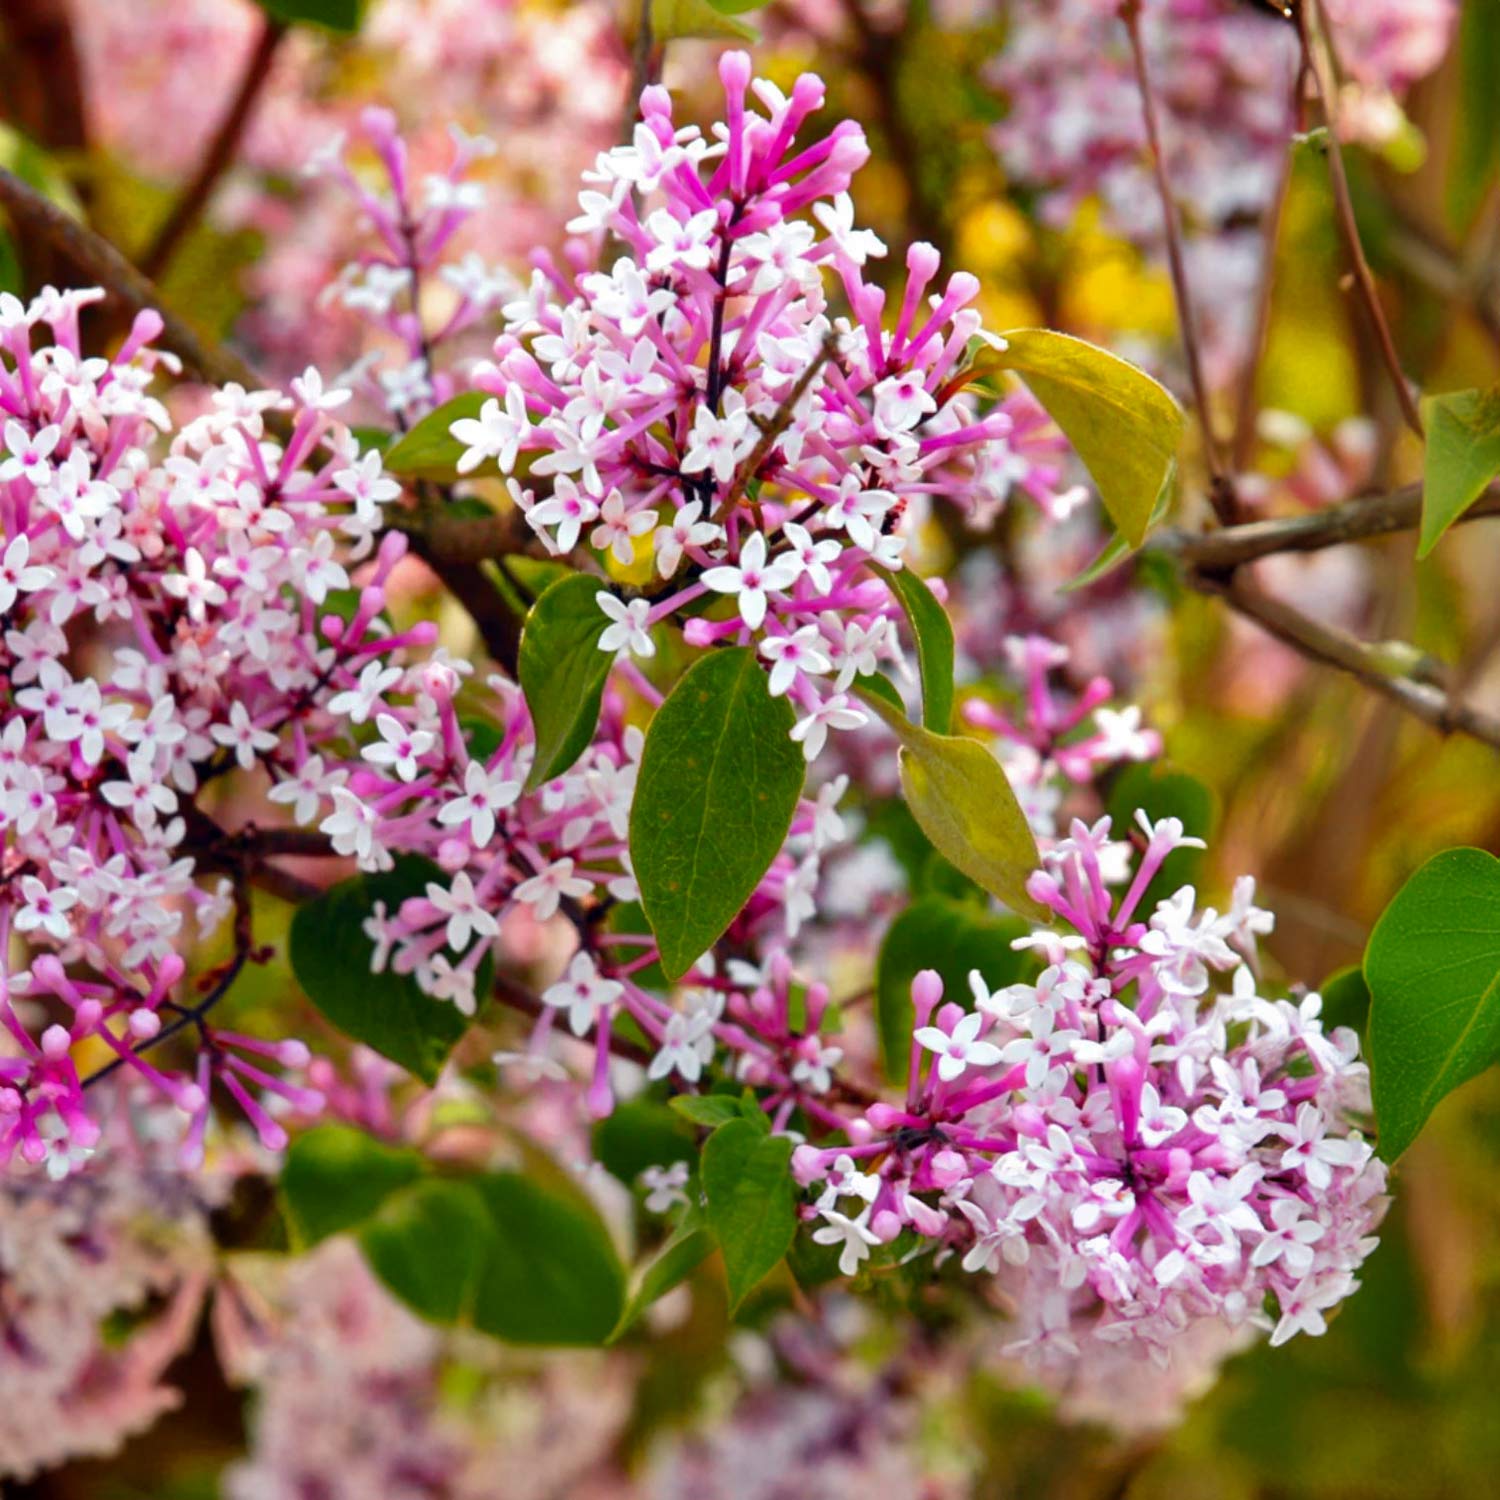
{"x":429,"y":1244}
{"x":641,"y":1133}
{"x":952,"y":937}
{"x":1346,"y":1001}
{"x":1462,"y":457}
{"x":330,"y":955}
{"x":333,"y":15}
{"x":1476,"y":119}
{"x":1161,"y":792}
{"x":1123,"y":425}
{"x":1433,"y":967}
{"x":963,"y":802}
{"x":688,"y":1247}
{"x":752,"y":1201}
{"x":934,"y":637}
{"x":502,"y":1253}
{"x":1117,"y":549}
{"x":336,"y":1177}
{"x":430,"y":451}
{"x":563,"y":672}
{"x":698,"y":18}
{"x":718,"y":786}
{"x":707,"y":1109}
{"x":551,"y":1275}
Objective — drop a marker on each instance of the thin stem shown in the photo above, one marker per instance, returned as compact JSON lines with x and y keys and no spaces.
{"x":1221,"y":494}
{"x":220,"y":153}
{"x":1243,"y":444}
{"x":1364,"y":279}
{"x":1352,"y":521}
{"x":641,"y":71}
{"x":103,"y":265}
{"x":1337,"y":648}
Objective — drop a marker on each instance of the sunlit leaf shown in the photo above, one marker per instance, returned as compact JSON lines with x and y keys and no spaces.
{"x":1463,"y":456}
{"x":429,"y":450}
{"x":1123,"y":425}
{"x":963,"y":802}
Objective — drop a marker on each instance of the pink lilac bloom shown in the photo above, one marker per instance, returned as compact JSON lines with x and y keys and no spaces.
{"x":1222,"y":73}
{"x":169,"y":619}
{"x":1135,"y":1148}
{"x":131,"y":1242}
{"x":699,"y":404}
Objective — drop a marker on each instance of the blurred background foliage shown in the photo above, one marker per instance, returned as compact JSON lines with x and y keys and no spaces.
{"x":1327,"y":793}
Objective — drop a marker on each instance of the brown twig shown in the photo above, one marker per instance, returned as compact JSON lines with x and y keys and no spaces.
{"x":1343,"y":202}
{"x":1221,"y":493}
{"x":1243,"y":442}
{"x":1352,"y":521}
{"x":1337,"y":648}
{"x":220,"y":153}
{"x":641,"y":71}
{"x":102,"y":264}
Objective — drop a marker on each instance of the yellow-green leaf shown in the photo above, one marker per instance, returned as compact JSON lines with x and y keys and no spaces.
{"x":964,"y":803}
{"x":1123,"y":424}
{"x":1463,"y":456}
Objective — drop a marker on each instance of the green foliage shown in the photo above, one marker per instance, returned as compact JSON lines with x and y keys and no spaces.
{"x":1346,"y":1001}
{"x":1462,"y":457}
{"x":718,"y":786}
{"x":963,"y":802}
{"x":501,"y":1253}
{"x":715,"y":1109}
{"x":332,"y":15}
{"x":641,"y":1133}
{"x":952,"y":937}
{"x":752,"y":1201}
{"x":336,"y":1177}
{"x":1124,"y":426}
{"x":563,"y":672}
{"x":708,"y":20}
{"x":1161,"y":792}
{"x":430,"y":451}
{"x":688,"y":1246}
{"x":1477,"y":119}
{"x":934,"y":637}
{"x":1118,"y":549}
{"x":1433,"y":968}
{"x":521,"y":1257}
{"x":331,"y":954}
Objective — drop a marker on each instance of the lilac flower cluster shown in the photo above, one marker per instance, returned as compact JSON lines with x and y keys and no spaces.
{"x":1127,"y":1146}
{"x":697,"y":412}
{"x":162,"y":598}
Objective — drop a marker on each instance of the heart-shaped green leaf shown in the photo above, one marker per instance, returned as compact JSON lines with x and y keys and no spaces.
{"x":331,"y":957}
{"x":952,"y":937}
{"x":336,"y":1177}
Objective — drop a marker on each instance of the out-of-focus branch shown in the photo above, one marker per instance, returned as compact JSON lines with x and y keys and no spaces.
{"x":100,"y":263}
{"x":41,"y":74}
{"x":1221,"y":491}
{"x":1352,"y":521}
{"x":220,"y":153}
{"x":1364,"y":279}
{"x":1337,"y":648}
